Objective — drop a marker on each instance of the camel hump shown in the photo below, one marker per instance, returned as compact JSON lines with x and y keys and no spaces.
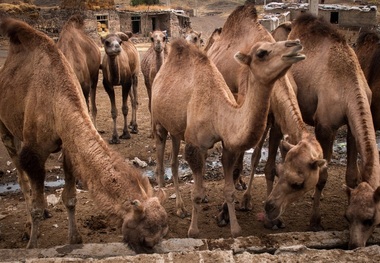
{"x":180,"y":49}
{"x":20,"y":33}
{"x":76,"y":20}
{"x":313,"y":26}
{"x":367,"y":37}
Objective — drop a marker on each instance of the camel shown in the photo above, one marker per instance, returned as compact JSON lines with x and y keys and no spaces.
{"x":193,"y":37}
{"x":121,"y":66}
{"x":367,"y":50}
{"x":84,"y":57}
{"x":42,"y":106}
{"x":330,"y":95}
{"x":194,"y":104}
{"x":363,"y":219}
{"x":240,"y":31}
{"x":152,"y":60}
{"x":214,"y":36}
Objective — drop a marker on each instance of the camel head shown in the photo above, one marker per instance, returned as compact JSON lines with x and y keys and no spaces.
{"x":298,"y":174}
{"x":112,"y":43}
{"x":269,"y":61}
{"x":145,"y":225}
{"x":194,"y":37}
{"x":362,"y":213}
{"x":159,"y":40}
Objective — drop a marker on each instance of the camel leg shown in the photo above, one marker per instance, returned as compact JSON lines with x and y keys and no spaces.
{"x":33,"y":164}
{"x":246,"y":203}
{"x":22,"y":178}
{"x":111,"y":94}
{"x":196,"y":159}
{"x":237,"y":170}
{"x":94,"y":109}
{"x":228,"y":160}
{"x":181,"y":211}
{"x":126,"y":88}
{"x":275,"y":136}
{"x":160,"y":138}
{"x":326,"y":139}
{"x":69,"y":200}
{"x":134,"y":101}
{"x":352,"y":172}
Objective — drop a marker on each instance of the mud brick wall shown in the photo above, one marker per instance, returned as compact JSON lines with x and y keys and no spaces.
{"x":88,"y":4}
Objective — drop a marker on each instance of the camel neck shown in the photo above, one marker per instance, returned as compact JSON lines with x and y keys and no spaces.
{"x":247,"y":120}
{"x":114,"y":70}
{"x":286,"y":111}
{"x":159,"y":59}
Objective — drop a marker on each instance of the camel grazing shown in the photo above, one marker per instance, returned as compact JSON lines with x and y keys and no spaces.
{"x":242,"y":30}
{"x":84,"y":57}
{"x":330,"y":95}
{"x":121,"y":66}
{"x":202,"y":111}
{"x":42,"y":106}
{"x":153,"y":59}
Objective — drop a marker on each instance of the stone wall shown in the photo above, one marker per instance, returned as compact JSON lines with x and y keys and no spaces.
{"x":88,"y":4}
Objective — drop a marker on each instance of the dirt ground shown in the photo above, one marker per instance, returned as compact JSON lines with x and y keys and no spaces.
{"x":96,"y":229}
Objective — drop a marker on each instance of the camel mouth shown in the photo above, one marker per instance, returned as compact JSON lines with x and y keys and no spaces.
{"x":295,"y":54}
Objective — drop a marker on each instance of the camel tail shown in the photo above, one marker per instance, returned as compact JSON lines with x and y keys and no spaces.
{"x":22,"y":35}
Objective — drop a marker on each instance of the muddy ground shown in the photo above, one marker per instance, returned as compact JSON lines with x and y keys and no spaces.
{"x":95,"y":227}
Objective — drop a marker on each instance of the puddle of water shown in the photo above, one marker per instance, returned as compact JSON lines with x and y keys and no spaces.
{"x":13,"y":187}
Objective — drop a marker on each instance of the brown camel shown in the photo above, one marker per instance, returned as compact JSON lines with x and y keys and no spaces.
{"x":202,"y":111}
{"x":121,"y":66}
{"x":193,"y":37}
{"x":330,"y":95}
{"x":367,"y":49}
{"x":214,"y":36}
{"x":84,"y":57}
{"x":363,"y":219}
{"x":153,"y":59}
{"x":241,"y":30}
{"x":42,"y":107}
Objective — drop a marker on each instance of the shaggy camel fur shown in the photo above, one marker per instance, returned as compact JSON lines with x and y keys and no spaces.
{"x":121,"y":66}
{"x":84,"y":57}
{"x":42,"y":106}
{"x":334,"y":95}
{"x":153,"y":59}
{"x":195,"y":104}
{"x":242,"y":30}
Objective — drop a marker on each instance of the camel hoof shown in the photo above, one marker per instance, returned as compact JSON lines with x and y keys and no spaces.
{"x":223,"y":219}
{"x":76,"y":240}
{"x":246,"y":206}
{"x":316,"y":228}
{"x":274,"y":224}
{"x":204,"y":200}
{"x":134,"y":129}
{"x":114,"y":141}
{"x":181,"y":213}
{"x":125,"y":136}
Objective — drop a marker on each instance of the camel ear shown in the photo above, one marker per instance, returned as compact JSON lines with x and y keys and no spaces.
{"x":285,"y":146}
{"x":161,"y":195}
{"x":376,"y":195}
{"x":129,"y":34}
{"x":243,"y":58}
{"x":138,"y":210}
{"x":319,"y":163}
{"x":122,"y":36}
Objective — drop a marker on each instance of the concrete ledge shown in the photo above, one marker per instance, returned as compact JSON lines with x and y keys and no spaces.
{"x":294,"y":246}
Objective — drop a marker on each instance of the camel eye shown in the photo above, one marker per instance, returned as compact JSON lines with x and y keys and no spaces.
{"x":297,"y":186}
{"x":261,"y":53}
{"x":368,"y":222}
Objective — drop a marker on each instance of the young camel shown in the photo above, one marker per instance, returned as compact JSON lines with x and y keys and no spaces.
{"x":193,"y":37}
{"x":330,"y":95}
{"x":42,"y":106}
{"x":194,"y":104}
{"x":153,"y":59}
{"x":121,"y":66}
{"x":242,"y":29}
{"x":84,"y":57}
